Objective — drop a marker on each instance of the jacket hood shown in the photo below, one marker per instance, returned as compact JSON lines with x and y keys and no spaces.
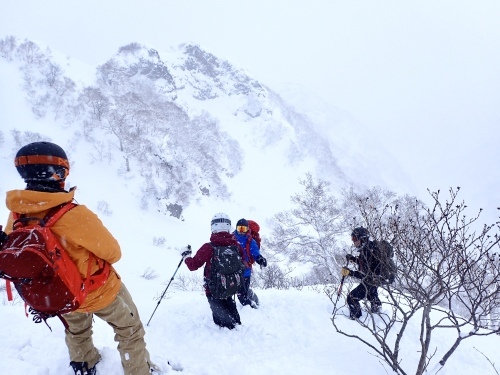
{"x":30,"y":201}
{"x":222,"y":239}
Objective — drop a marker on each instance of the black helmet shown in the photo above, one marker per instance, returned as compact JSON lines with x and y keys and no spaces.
{"x":42,"y":162}
{"x":361,"y":234}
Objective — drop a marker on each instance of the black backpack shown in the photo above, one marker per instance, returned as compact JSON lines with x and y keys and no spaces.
{"x":384,"y":254}
{"x":226,"y":271}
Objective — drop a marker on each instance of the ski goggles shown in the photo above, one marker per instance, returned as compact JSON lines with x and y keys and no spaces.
{"x":242,"y":229}
{"x":221,"y":220}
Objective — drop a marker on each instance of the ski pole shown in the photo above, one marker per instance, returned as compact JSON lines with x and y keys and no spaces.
{"x":165,"y":291}
{"x":339,"y":291}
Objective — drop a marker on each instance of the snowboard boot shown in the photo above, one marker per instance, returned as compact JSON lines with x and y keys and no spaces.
{"x":355,"y":311}
{"x":253,"y":299}
{"x":82,"y":368}
{"x":354,"y":316}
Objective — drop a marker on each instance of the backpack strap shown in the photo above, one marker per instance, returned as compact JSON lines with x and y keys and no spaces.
{"x":92,"y":282}
{"x":55,"y":213}
{"x":21,"y":220}
{"x":96,"y":280}
{"x":8,"y":289}
{"x":50,"y":218}
{"x":99,"y":278}
{"x":39,"y":317}
{"x":213,"y":255}
{"x":249,"y":254}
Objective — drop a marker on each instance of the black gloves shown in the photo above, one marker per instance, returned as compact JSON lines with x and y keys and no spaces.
{"x":187,"y":252}
{"x":3,"y":236}
{"x":261,"y":260}
{"x":350,"y":258}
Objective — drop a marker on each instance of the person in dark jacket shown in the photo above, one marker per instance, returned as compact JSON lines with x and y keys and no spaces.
{"x":251,"y":254}
{"x":224,"y":311}
{"x":368,"y":272}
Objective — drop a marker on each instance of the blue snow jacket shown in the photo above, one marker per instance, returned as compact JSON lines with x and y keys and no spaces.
{"x":253,"y":250}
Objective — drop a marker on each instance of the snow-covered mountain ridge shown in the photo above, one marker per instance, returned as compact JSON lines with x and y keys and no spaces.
{"x":189,"y":123}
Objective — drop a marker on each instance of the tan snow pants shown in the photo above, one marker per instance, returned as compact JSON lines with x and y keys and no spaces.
{"x":122,"y":315}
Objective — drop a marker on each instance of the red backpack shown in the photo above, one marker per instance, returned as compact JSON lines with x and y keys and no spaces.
{"x":43,"y":273}
{"x":254,"y":234}
{"x":254,"y":231}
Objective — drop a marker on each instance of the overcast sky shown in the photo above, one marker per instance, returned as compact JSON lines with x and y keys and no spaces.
{"x":425,"y":74}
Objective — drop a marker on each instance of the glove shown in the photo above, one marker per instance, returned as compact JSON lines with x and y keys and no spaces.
{"x":261,"y":260}
{"x":350,"y":258}
{"x":187,"y":252}
{"x":345,"y":271}
{"x":3,"y":236}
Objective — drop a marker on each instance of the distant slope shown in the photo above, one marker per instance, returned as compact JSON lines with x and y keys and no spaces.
{"x":188,"y":124}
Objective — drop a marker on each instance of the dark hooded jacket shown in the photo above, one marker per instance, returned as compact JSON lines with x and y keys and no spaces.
{"x":368,"y":264}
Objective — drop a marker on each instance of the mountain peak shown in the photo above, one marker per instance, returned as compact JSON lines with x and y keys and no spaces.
{"x":191,"y":125}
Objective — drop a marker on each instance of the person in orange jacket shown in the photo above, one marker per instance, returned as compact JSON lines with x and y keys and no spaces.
{"x":44,"y":167}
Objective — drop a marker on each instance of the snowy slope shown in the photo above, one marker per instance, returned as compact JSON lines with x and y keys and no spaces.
{"x":291,"y":334}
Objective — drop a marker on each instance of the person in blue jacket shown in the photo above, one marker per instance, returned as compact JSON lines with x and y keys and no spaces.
{"x":251,"y":254}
